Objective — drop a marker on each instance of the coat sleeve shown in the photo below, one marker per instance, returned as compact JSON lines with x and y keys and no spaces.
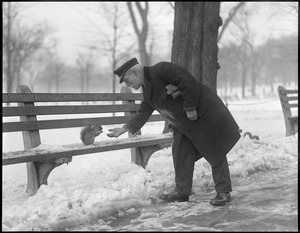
{"x":143,"y":114}
{"x":186,"y":83}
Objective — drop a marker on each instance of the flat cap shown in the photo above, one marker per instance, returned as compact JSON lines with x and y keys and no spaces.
{"x":123,"y":68}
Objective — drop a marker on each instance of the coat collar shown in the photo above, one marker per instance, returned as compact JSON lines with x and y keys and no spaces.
{"x":147,"y":83}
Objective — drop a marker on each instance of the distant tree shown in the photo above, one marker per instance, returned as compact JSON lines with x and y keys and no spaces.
{"x":52,"y":76}
{"x":242,"y":58}
{"x":143,"y":32}
{"x":282,"y":60}
{"x":86,"y":63}
{"x":270,"y":68}
{"x":33,"y":70}
{"x":228,"y":73}
{"x":257,"y":65}
{"x":51,"y":67}
{"x":20,"y":42}
{"x":243,"y":34}
{"x":115,"y":15}
{"x":112,"y":43}
{"x":58,"y":71}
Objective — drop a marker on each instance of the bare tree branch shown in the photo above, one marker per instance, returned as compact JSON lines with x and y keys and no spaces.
{"x":134,"y":23}
{"x":172,"y":5}
{"x":21,"y":42}
{"x":232,"y":13}
{"x":141,"y":34}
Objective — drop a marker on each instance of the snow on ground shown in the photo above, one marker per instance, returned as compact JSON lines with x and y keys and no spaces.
{"x":96,"y":191}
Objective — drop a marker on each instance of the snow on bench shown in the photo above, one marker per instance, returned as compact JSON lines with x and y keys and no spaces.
{"x":49,"y":152}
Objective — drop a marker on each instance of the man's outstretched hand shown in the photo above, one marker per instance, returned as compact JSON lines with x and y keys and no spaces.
{"x":116,"y":132}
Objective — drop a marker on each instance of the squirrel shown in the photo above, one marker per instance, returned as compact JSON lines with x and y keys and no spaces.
{"x":251,"y":136}
{"x":89,"y":132}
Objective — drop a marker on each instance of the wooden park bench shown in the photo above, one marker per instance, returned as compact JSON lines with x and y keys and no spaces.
{"x":288,"y":100}
{"x":40,"y":161}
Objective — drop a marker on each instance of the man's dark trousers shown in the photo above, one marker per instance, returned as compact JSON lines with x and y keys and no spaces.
{"x":184,"y":155}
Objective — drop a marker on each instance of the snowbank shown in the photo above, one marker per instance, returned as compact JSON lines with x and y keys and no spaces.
{"x":72,"y":200}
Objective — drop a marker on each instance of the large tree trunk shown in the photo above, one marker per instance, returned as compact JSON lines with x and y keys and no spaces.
{"x":195,"y":39}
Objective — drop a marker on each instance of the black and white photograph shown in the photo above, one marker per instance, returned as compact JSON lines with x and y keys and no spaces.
{"x":150,"y":116}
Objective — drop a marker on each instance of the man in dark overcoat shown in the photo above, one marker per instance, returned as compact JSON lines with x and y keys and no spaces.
{"x":202,"y":125}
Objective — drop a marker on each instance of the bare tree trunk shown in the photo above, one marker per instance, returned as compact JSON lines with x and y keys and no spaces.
{"x":58,"y":69}
{"x":212,"y":22}
{"x":20,"y":42}
{"x":244,"y":75}
{"x":271,"y":83}
{"x":49,"y":85}
{"x":82,"y":78}
{"x":142,"y":33}
{"x":253,"y":83}
{"x":195,"y":39}
{"x":9,"y":78}
{"x":88,"y":77}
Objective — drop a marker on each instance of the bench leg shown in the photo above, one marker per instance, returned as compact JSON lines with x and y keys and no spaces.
{"x":32,"y":180}
{"x":38,"y":172}
{"x":293,"y":128}
{"x":288,"y":129}
{"x":144,"y":153}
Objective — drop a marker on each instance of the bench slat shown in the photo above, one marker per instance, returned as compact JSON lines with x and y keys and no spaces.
{"x":289,"y":98}
{"x":293,"y":118}
{"x":288,"y":105}
{"x":285,"y":91}
{"x":74,"y":109}
{"x":37,"y":154}
{"x":68,"y":97}
{"x":68,"y":123}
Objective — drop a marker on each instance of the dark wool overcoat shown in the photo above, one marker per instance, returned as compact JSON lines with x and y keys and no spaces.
{"x":215,"y":131}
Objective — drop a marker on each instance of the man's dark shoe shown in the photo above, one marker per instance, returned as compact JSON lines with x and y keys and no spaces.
{"x":175,"y":196}
{"x":221,"y":199}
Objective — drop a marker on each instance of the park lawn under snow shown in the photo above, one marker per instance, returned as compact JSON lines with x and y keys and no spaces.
{"x":94,"y":190}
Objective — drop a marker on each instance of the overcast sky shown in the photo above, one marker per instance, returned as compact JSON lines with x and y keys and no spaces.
{"x":71,"y":21}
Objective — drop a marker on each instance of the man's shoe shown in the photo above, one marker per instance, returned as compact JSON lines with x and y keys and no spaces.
{"x":175,"y":196}
{"x":221,"y":199}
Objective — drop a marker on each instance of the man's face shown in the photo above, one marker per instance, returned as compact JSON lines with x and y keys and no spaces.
{"x":132,"y":80}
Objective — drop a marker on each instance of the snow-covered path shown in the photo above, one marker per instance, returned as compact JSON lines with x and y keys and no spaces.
{"x":262,"y":200}
{"x":267,"y":202}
